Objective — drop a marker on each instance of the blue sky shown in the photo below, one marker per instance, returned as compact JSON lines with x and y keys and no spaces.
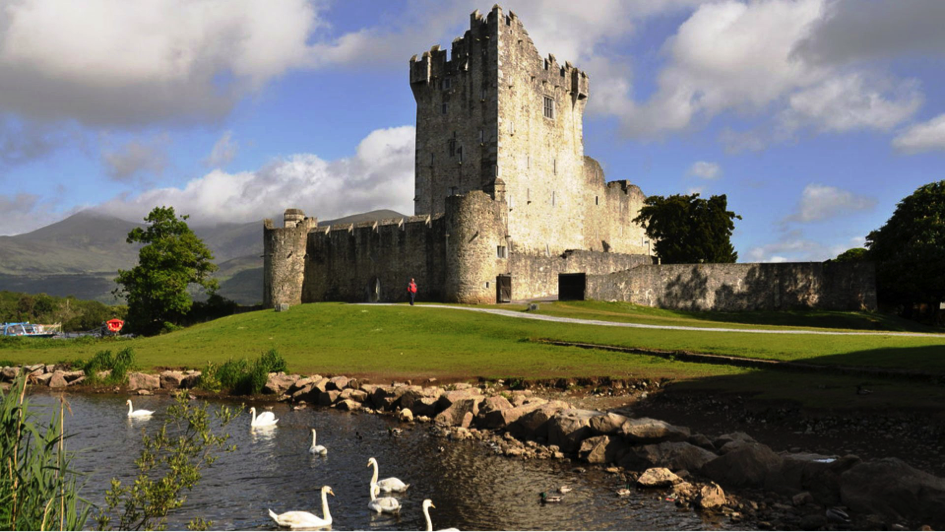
{"x":814,"y":116}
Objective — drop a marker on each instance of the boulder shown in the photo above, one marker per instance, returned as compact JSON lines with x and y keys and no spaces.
{"x":648,"y":430}
{"x":43,"y":379}
{"x":601,"y":449}
{"x":279,"y":383}
{"x":675,"y":455}
{"x":657,"y":477}
{"x":321,"y":385}
{"x":306,"y":393}
{"x":9,"y":373}
{"x":447,"y":398}
{"x":170,"y":380}
{"x":327,"y":398}
{"x":569,"y":427}
{"x":72,"y":376}
{"x":426,"y":406}
{"x":406,"y":415}
{"x":50,"y":368}
{"x":337,"y":383}
{"x":467,"y":421}
{"x":711,"y":496}
{"x":38,"y":370}
{"x":815,"y":473}
{"x":355,"y":395}
{"x":143,"y":381}
{"x":730,"y":437}
{"x":301,"y":383}
{"x":608,"y":423}
{"x":412,"y":399}
{"x":701,"y":440}
{"x":533,"y":420}
{"x":58,"y":380}
{"x":77,"y":381}
{"x":347,"y":405}
{"x":191,"y":379}
{"x":894,"y":489}
{"x":743,"y":464}
{"x":455,"y":414}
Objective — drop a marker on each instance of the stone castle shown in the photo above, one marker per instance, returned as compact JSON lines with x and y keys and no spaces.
{"x":506,"y":203}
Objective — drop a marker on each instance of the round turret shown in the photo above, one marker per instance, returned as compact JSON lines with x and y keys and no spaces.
{"x":293,"y":217}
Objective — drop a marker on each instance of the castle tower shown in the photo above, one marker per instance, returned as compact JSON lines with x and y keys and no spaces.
{"x":284,"y":258}
{"x":494,"y":108}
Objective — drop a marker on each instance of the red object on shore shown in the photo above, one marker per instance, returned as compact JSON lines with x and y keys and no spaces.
{"x":115,"y":325}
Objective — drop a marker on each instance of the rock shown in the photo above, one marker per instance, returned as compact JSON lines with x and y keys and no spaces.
{"x":143,"y":381}
{"x":337,"y":383}
{"x":608,"y":423}
{"x":320,"y":385}
{"x":50,"y":368}
{"x":711,"y":496}
{"x":347,"y":405}
{"x":657,"y":477}
{"x":601,"y":449}
{"x":191,"y":380}
{"x":301,"y":383}
{"x":327,"y":398}
{"x":406,"y":415}
{"x":802,"y":498}
{"x":462,"y":386}
{"x":815,"y":522}
{"x":58,"y":380}
{"x":701,"y":440}
{"x":743,"y":464}
{"x":353,"y":394}
{"x":423,"y":401}
{"x":648,"y":430}
{"x":456,"y":413}
{"x":38,"y":370}
{"x":447,"y":398}
{"x":306,"y":393}
{"x":80,"y":380}
{"x":279,"y":383}
{"x":170,"y":380}
{"x":894,"y":489}
{"x":568,"y":427}
{"x":817,"y":474}
{"x":9,"y":373}
{"x":43,"y":379}
{"x":675,"y":456}
{"x":730,"y":437}
{"x":534,"y":419}
{"x":467,"y":420}
{"x":72,"y":376}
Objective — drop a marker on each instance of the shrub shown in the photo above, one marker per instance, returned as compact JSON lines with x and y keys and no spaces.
{"x":118,"y":364}
{"x":240,"y":377}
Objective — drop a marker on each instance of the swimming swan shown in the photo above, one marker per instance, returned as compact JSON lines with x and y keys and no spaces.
{"x":266,"y":419}
{"x":388,"y":484}
{"x":137,"y":413}
{"x":383,"y":504}
{"x":427,"y":504}
{"x":304,"y":519}
{"x":317,"y":449}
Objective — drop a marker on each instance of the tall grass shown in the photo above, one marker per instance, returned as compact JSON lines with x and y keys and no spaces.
{"x":38,"y":489}
{"x":240,"y":376}
{"x":118,"y":365}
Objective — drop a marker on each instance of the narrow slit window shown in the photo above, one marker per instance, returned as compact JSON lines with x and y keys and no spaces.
{"x":451,"y":144}
{"x":444,"y":108}
{"x":596,"y":200}
{"x":459,"y":152}
{"x":552,"y":198}
{"x":482,"y":136}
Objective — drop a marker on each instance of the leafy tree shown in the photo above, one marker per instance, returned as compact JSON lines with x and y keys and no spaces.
{"x":909,"y":250}
{"x":852,"y":255}
{"x":173,"y":258}
{"x":688,"y":229}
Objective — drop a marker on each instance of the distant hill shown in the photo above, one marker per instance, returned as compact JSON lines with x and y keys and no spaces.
{"x":81,"y":255}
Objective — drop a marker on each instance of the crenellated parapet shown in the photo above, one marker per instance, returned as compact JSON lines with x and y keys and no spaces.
{"x":284,"y":258}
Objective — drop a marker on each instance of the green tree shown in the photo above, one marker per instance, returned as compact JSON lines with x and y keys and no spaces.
{"x":853,"y":255}
{"x":909,"y":250}
{"x":689,"y":229}
{"x":172,"y":258}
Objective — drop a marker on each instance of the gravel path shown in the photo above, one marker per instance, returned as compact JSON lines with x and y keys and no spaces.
{"x":541,"y":317}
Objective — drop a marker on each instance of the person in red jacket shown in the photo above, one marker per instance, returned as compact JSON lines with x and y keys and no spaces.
{"x":412,"y":290}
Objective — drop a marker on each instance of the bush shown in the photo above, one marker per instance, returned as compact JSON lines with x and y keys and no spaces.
{"x":240,"y":377}
{"x":104,"y":361}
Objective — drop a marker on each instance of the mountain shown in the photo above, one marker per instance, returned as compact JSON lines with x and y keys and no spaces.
{"x":81,"y":255}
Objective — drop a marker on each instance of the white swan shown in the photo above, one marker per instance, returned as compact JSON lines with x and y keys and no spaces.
{"x":383,"y":504}
{"x":317,"y":449}
{"x":266,"y":419}
{"x":388,"y":484}
{"x":137,"y":413}
{"x":427,"y":504}
{"x":299,"y":519}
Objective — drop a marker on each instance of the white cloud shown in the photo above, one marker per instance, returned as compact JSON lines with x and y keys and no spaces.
{"x":223,"y":151}
{"x":136,"y":159}
{"x":379,"y":175}
{"x":821,"y":202}
{"x":922,"y":137}
{"x":705,"y":170}
{"x":113,"y":62}
{"x":24,"y":212}
{"x":793,"y":247}
{"x":847,"y":102}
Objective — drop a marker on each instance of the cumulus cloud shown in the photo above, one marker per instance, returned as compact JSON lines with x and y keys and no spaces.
{"x":136,"y":159}
{"x":223,"y":151}
{"x":379,"y":175}
{"x":922,"y":137}
{"x":127,"y":64}
{"x":793,"y":247}
{"x":705,"y":170}
{"x":25,"y":212}
{"x":821,"y":202}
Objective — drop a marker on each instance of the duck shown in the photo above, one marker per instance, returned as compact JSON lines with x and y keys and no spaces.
{"x":317,"y":449}
{"x":387,"y":484}
{"x":837,"y":515}
{"x":564,"y":489}
{"x":427,"y":504}
{"x":624,"y":492}
{"x":298,"y":519}
{"x":266,"y":419}
{"x":388,"y":505}
{"x":545,"y":498}
{"x":137,"y":413}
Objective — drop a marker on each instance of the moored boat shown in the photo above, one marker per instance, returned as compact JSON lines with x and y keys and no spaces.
{"x":31,"y":330}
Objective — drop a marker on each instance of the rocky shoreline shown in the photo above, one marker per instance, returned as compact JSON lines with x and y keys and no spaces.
{"x":731,"y":475}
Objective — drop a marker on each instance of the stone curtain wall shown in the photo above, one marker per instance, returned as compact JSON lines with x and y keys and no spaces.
{"x":734,"y":287}
{"x":375,"y":261}
{"x":535,"y":276}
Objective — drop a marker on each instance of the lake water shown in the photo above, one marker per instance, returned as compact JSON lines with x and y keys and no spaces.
{"x":472,"y":488}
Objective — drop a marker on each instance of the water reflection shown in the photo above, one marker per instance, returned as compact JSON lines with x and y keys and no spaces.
{"x":271,"y":468}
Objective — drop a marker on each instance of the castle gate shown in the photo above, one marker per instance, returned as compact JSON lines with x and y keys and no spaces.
{"x":503,"y":289}
{"x":571,"y":286}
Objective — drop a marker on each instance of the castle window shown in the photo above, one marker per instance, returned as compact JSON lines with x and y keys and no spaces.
{"x":459,"y":152}
{"x":511,"y":128}
{"x":447,"y":84}
{"x":596,"y":200}
{"x":431,"y":159}
{"x":501,"y":252}
{"x":528,"y":195}
{"x":554,"y":166}
{"x":454,"y":191}
{"x":451,"y":145}
{"x":552,"y":198}
{"x":482,"y":136}
{"x":549,"y":108}
{"x":482,"y":95}
{"x":444,"y":108}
